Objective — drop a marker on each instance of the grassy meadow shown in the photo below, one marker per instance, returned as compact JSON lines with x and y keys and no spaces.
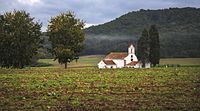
{"x":84,"y":87}
{"x":84,"y":61}
{"x":92,"y":61}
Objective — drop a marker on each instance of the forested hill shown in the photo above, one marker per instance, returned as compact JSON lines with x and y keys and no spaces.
{"x":179,"y":32}
{"x":173,"y":19}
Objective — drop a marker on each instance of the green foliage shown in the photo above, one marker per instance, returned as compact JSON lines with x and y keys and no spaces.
{"x":154,"y":56}
{"x":63,"y":55}
{"x":144,"y":47}
{"x":178,"y":28}
{"x":148,"y":46}
{"x":43,"y":52}
{"x":19,"y":39}
{"x":66,"y":36}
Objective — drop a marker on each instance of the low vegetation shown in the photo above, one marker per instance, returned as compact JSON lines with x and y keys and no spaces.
{"x":89,"y":88}
{"x":95,"y":89}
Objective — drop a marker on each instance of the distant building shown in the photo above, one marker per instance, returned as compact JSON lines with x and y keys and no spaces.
{"x":122,"y":59}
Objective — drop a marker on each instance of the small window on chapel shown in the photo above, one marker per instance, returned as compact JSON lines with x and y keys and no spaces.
{"x":131,"y":59}
{"x":131,"y":55}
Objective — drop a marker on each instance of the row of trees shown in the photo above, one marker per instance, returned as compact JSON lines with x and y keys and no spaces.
{"x":20,"y":38}
{"x":149,"y":47}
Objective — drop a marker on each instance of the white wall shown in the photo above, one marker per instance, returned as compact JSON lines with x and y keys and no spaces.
{"x":101,"y":64}
{"x":139,"y":65}
{"x":128,"y":58}
{"x":119,"y":63}
{"x":133,"y":49}
{"x":147,"y":65}
{"x":111,"y":66}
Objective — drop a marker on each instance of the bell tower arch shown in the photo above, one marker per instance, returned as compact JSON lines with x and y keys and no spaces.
{"x":131,"y":49}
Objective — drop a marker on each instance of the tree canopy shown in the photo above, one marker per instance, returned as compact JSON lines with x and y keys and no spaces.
{"x":19,"y":39}
{"x":66,"y":35}
{"x":154,"y":56}
{"x":144,"y":47}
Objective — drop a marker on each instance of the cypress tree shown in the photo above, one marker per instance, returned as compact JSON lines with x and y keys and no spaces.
{"x":143,"y":47}
{"x":154,"y":56}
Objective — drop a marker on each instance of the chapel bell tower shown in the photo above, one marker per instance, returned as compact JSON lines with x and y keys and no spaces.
{"x":131,"y":49}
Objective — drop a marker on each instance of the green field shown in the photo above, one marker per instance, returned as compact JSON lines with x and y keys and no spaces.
{"x":85,"y":87}
{"x":92,"y":61}
{"x":84,"y":61}
{"x":181,"y":61}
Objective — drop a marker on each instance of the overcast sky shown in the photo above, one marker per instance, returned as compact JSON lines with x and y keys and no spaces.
{"x":93,"y":12}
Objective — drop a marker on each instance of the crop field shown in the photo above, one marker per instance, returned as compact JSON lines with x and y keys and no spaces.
{"x":84,"y":87}
{"x":94,"y":89}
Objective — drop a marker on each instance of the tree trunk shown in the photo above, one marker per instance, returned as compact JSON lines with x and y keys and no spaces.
{"x":154,"y":65}
{"x":66,"y":65}
{"x":20,"y":65}
{"x":143,"y":63}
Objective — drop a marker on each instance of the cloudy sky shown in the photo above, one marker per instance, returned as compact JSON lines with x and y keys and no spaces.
{"x":93,"y":12}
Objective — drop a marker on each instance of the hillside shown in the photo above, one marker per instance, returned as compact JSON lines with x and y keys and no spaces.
{"x":179,"y":32}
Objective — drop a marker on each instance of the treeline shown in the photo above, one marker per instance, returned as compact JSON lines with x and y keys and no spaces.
{"x":179,"y":32}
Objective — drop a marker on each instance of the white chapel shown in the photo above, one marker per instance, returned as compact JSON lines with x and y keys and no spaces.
{"x":122,"y":59}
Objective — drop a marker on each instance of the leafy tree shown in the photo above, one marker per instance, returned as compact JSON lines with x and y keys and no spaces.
{"x":154,"y":56}
{"x":19,"y":39}
{"x":66,"y":35}
{"x":143,"y":47}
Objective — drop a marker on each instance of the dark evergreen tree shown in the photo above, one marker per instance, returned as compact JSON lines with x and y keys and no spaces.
{"x":154,"y":56}
{"x":144,"y":47}
{"x":66,"y":35}
{"x":19,"y":39}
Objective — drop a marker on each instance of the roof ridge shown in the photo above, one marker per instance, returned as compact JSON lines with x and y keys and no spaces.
{"x":117,"y":55}
{"x":109,"y":62}
{"x":132,"y":63}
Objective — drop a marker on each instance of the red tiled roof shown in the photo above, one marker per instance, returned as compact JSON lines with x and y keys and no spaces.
{"x":109,"y":62}
{"x":133,"y":63}
{"x":116,"y":55}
